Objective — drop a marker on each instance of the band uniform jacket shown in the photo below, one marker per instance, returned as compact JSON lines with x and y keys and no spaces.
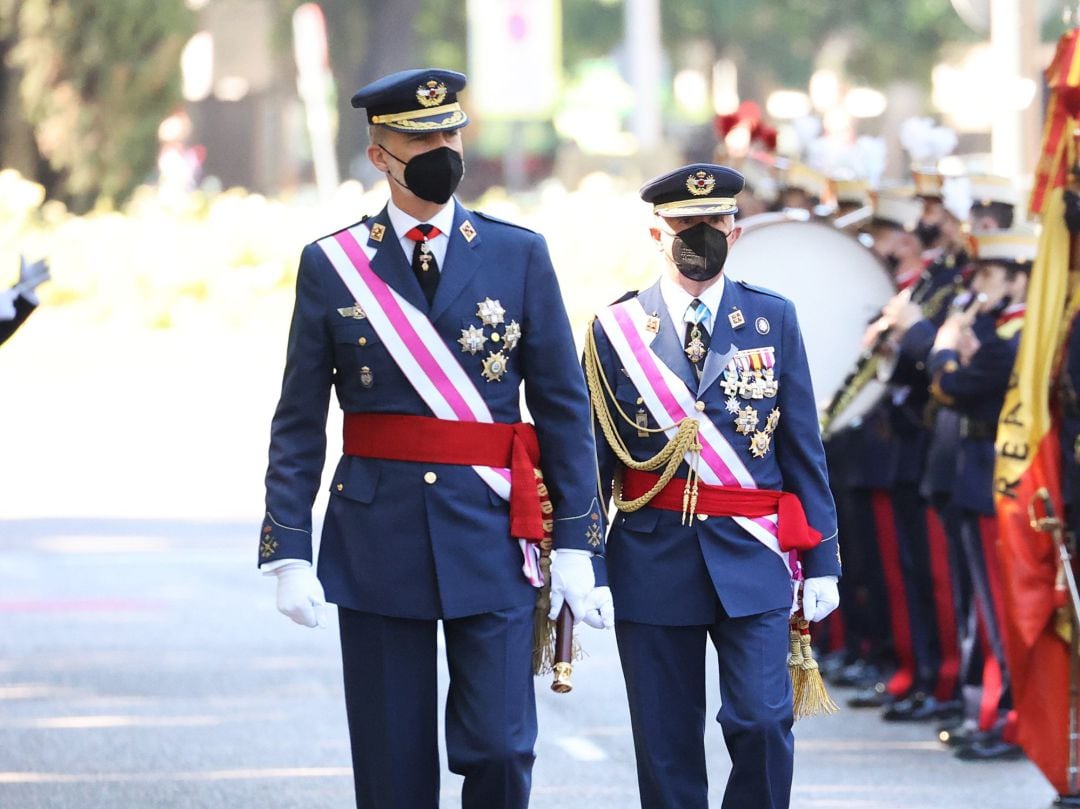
{"x":666,"y":573}
{"x":421,"y":540}
{"x":977,"y":392}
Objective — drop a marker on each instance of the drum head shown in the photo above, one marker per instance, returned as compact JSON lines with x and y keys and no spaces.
{"x":837,"y":285}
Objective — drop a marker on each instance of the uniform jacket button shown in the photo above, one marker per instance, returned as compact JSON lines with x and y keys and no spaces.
{"x":430,"y":477}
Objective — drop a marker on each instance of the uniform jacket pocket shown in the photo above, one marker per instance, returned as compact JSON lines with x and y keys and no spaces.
{"x":355,"y":479}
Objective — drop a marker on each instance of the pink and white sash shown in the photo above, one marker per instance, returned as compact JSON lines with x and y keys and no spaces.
{"x":669,"y":401}
{"x":421,"y":354}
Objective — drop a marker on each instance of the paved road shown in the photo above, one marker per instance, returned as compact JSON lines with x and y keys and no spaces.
{"x":142,"y":665}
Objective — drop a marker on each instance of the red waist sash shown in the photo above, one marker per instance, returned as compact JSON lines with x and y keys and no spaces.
{"x":424,"y":439}
{"x":793,"y":532}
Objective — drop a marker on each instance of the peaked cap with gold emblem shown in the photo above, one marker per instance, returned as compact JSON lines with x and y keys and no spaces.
{"x":700,"y":189}
{"x":423,"y":100}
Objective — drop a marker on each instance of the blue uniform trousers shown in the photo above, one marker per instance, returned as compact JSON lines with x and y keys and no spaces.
{"x":972,"y":543}
{"x":664,"y":668}
{"x":912,"y":533}
{"x":391,"y":698}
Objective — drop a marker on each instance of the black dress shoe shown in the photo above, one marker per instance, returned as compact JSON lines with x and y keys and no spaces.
{"x":873,"y":697}
{"x":990,"y":747}
{"x":918,"y":707}
{"x":949,"y":709}
{"x":855,"y":674}
{"x":1069,"y":801}
{"x":959,"y":735}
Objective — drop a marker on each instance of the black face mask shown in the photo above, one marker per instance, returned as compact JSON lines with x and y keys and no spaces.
{"x":434,"y":175}
{"x":928,"y":234}
{"x":699,"y":252}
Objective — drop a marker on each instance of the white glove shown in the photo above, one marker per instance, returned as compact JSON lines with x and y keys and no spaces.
{"x":599,"y":609}
{"x":300,"y":595}
{"x":820,"y":597}
{"x":572,"y":581}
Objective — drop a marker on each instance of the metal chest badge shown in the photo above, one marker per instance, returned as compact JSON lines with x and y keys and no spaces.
{"x":354,"y":311}
{"x":494,"y":366}
{"x":474,"y":338}
{"x":750,"y":376}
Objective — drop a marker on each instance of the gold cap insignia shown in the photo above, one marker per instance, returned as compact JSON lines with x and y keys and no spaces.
{"x":431,"y":94}
{"x":700,"y":183}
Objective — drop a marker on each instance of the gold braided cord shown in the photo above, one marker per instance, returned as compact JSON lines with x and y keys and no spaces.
{"x":670,"y":457}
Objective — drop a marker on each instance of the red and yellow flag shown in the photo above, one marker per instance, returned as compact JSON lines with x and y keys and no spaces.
{"x":1029,"y":453}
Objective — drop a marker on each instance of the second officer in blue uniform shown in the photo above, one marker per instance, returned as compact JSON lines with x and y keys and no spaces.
{"x":710,"y":509}
{"x":428,"y":371}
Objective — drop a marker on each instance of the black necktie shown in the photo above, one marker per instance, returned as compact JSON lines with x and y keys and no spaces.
{"x":423,"y":260}
{"x":696,"y":339}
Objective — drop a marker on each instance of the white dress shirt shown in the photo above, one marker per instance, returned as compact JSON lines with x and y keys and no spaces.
{"x":403,"y":223}
{"x":678,"y":301}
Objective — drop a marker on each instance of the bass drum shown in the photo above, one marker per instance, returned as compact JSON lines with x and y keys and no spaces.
{"x":837,"y":285}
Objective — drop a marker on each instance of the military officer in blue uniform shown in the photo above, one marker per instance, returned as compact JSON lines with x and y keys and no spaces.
{"x":689,"y":561}
{"x":414,"y":533}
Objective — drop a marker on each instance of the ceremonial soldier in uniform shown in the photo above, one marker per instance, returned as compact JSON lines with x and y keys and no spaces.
{"x":868,"y":596}
{"x":711,"y":450}
{"x":970,"y":367}
{"x":427,"y":318}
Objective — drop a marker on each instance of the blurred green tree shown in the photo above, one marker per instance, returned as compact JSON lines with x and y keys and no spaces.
{"x":783,"y":41}
{"x":83,"y":88}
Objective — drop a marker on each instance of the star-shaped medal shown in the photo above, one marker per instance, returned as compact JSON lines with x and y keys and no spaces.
{"x":511,"y":335}
{"x":494,"y":366}
{"x":732,"y":405}
{"x":759,"y":444}
{"x":747,"y":421}
{"x":472,"y":340}
{"x":772,"y":420}
{"x":490,"y":312}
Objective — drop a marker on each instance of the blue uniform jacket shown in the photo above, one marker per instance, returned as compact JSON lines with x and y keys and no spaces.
{"x":422,"y":540}
{"x":976,"y":391}
{"x":665,"y":573}
{"x":911,"y":395}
